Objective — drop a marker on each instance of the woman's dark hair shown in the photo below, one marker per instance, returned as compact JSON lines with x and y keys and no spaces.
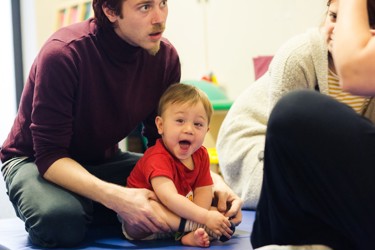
{"x":114,"y":5}
{"x":370,"y":11}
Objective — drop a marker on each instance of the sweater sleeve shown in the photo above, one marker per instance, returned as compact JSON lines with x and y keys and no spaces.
{"x":51,"y":120}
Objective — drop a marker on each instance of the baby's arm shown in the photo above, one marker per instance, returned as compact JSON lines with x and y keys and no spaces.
{"x":203,"y":197}
{"x":180,"y":205}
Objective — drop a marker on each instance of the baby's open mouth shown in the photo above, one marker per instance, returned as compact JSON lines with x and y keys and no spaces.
{"x":184,"y":144}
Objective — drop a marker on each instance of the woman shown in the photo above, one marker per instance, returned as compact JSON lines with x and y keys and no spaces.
{"x":318,"y":185}
{"x":304,"y":62}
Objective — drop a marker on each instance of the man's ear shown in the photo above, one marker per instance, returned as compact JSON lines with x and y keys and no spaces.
{"x":110,"y":14}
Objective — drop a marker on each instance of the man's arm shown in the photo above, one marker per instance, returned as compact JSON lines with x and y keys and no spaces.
{"x":131,"y":204}
{"x":354,"y":48}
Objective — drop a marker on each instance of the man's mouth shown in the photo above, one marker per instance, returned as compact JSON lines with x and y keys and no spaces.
{"x":156,"y":35}
{"x":157,"y":30}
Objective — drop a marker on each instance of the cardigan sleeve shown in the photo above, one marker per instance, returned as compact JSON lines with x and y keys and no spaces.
{"x":292,"y":68}
{"x":240,"y":142}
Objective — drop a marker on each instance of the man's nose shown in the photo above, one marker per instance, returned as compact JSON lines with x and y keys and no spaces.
{"x":159,"y":15}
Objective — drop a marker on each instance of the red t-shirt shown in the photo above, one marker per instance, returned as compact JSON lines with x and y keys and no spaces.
{"x":157,"y":161}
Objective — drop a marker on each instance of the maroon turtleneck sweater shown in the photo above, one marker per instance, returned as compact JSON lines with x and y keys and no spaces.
{"x":87,"y":90}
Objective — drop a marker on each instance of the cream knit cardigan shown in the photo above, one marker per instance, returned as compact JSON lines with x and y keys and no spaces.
{"x":301,"y":63}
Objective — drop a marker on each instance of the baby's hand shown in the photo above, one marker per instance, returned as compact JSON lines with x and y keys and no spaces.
{"x":219,"y":224}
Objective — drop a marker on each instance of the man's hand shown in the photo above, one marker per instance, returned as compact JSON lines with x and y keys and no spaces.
{"x":133,"y":206}
{"x":227,"y":201}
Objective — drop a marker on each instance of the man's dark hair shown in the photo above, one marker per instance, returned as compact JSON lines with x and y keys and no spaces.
{"x":114,"y":5}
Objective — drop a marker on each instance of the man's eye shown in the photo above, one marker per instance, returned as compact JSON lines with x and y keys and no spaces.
{"x":163,"y":3}
{"x":145,"y":7}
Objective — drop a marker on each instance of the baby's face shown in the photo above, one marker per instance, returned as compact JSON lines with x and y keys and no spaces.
{"x":183,"y":128}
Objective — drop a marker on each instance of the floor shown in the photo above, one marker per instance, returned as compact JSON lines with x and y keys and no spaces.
{"x":13,"y":236}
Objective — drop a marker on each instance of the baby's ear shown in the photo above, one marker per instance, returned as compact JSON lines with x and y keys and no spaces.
{"x":159,"y":124}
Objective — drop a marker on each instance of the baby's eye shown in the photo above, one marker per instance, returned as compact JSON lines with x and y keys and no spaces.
{"x":198,"y":124}
{"x":179,"y":120}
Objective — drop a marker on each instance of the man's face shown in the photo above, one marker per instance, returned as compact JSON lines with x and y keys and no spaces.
{"x":142,"y":23}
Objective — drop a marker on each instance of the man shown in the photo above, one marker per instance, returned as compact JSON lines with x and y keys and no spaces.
{"x":91,"y":84}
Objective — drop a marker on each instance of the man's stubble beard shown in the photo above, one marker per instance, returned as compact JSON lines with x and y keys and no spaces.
{"x":160,"y":27}
{"x":154,"y":50}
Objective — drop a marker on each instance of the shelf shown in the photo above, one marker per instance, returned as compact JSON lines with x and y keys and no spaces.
{"x":73,"y":11}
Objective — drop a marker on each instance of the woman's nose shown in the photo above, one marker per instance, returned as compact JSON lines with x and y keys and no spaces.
{"x":331,"y":27}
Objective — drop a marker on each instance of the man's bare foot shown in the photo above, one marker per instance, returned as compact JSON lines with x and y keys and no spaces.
{"x":198,"y":238}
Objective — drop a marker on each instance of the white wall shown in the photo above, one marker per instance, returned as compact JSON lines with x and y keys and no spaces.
{"x":29,"y":34}
{"x":224,"y":36}
{"x":7,"y":93}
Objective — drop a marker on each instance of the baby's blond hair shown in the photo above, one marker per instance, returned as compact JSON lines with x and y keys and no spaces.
{"x":181,"y":93}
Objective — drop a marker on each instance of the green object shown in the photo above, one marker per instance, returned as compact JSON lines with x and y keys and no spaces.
{"x":216,"y":95}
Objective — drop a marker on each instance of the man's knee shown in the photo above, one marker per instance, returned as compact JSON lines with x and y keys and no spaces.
{"x":60,"y":227}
